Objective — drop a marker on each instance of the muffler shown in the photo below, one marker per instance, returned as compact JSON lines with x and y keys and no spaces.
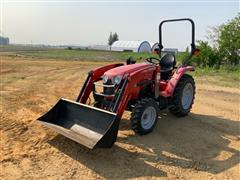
{"x":87,"y":125}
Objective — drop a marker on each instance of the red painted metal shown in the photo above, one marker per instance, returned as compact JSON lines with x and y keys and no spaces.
{"x":95,"y":75}
{"x":121,"y":70}
{"x":132,"y":90}
{"x":162,"y":85}
{"x":135,"y":73}
{"x":172,"y":83}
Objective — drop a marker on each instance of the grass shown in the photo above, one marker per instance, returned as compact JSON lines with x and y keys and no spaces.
{"x":227,"y":73}
{"x":85,"y":55}
{"x":226,"y":76}
{"x":223,"y":77}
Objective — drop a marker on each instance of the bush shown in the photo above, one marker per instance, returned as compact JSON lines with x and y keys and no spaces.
{"x":209,"y":57}
{"x":229,"y":41}
{"x":226,"y":44}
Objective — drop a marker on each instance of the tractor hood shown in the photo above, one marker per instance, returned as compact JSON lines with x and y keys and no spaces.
{"x":121,"y":70}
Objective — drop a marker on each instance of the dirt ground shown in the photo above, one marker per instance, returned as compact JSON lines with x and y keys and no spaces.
{"x":204,"y":145}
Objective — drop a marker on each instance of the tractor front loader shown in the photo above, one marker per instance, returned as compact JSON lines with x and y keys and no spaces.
{"x":142,"y":88}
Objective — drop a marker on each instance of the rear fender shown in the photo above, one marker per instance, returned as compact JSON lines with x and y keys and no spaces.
{"x":93,"y":75}
{"x":172,"y":83}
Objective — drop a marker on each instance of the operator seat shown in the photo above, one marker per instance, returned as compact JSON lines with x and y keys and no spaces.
{"x":168,"y":62}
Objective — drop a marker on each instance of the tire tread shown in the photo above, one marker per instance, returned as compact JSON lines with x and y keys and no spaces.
{"x":137,"y":113}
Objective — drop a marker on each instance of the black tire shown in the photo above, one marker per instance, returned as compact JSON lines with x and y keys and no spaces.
{"x":137,"y":113}
{"x":177,"y":107}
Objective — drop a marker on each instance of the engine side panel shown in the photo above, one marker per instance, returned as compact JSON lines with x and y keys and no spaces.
{"x":133,"y":89}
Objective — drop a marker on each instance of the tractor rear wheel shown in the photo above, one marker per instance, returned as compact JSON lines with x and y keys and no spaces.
{"x":183,"y":97}
{"x":144,"y":116}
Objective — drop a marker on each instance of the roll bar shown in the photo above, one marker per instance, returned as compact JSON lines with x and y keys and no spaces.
{"x":193,"y":47}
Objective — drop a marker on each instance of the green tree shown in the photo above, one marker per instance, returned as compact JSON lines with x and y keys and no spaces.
{"x":209,"y":56}
{"x":182,"y":56}
{"x":115,"y":37}
{"x":229,"y":41}
{"x":112,"y":38}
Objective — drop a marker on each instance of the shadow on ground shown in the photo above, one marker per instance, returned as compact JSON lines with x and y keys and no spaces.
{"x":197,"y":141}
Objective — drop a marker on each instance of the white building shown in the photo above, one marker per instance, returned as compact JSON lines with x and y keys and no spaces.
{"x":170,"y":50}
{"x":133,"y":46}
{"x":154,"y":45}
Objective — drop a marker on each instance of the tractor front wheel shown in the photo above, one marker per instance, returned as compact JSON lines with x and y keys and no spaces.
{"x":183,"y":96}
{"x":144,"y":116}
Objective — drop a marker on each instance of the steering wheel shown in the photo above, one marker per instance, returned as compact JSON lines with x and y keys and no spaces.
{"x":153,"y":58}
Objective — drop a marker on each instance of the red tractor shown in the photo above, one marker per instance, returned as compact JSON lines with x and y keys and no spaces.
{"x":142,"y":88}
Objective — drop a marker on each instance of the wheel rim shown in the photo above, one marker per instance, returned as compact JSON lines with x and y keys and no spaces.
{"x":148,"y":117}
{"x":187,"y":96}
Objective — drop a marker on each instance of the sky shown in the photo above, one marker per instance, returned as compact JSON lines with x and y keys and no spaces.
{"x":58,"y":22}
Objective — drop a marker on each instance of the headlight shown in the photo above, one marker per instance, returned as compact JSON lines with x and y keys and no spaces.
{"x":117,"y":79}
{"x":104,"y":79}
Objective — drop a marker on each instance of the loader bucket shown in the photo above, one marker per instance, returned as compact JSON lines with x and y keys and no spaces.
{"x":89,"y":126}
